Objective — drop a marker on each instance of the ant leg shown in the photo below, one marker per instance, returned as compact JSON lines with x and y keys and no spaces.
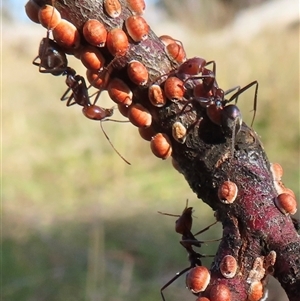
{"x":64,"y":96}
{"x":185,"y":106}
{"x":162,"y":77}
{"x":231,"y":90}
{"x":197,"y":243}
{"x":206,"y":228}
{"x":235,"y":95}
{"x":214,"y":66}
{"x":68,"y":98}
{"x":106,"y":136}
{"x":172,"y":280}
{"x":114,"y":120}
{"x":97,"y":96}
{"x":203,"y":101}
{"x":35,"y":63}
{"x":192,"y":77}
{"x":69,"y":103}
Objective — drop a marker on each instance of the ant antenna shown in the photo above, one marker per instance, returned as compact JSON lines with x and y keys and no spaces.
{"x":175,"y":215}
{"x":106,"y":136}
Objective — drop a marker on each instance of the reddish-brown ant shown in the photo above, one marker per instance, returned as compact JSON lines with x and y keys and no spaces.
{"x":183,"y":225}
{"x":213,"y":99}
{"x":53,"y":60}
{"x":210,"y":96}
{"x":80,"y":96}
{"x":201,"y":87}
{"x":218,"y":108}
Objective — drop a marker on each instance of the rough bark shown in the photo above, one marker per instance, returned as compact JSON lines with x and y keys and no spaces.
{"x":252,"y":225}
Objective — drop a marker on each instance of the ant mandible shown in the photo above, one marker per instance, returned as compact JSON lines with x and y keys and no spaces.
{"x":183,"y":226}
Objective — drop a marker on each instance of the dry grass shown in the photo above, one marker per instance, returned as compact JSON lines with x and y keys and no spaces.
{"x":77,"y":217}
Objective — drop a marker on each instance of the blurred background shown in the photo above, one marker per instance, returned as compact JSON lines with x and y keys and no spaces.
{"x":80,"y":224}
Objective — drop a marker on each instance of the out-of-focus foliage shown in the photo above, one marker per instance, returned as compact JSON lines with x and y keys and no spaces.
{"x":205,"y":15}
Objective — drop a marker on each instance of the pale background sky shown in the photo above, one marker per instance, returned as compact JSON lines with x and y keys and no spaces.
{"x":18,"y":12}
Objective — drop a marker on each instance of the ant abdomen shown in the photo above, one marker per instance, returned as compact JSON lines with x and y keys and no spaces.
{"x":192,"y":66}
{"x":96,"y":113}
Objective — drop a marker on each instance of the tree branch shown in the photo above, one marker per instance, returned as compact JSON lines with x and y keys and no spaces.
{"x":253,"y":227}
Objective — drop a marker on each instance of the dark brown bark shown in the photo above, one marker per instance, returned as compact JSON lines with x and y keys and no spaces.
{"x":252,"y":225}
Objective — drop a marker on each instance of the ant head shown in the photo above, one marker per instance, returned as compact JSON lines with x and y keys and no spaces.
{"x":231,"y":120}
{"x":52,"y":58}
{"x":183,"y":224}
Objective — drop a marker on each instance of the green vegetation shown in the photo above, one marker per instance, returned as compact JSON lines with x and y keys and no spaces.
{"x":78,"y":223}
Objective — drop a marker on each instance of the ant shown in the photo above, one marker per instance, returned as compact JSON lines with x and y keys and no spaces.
{"x":208,"y":94}
{"x":183,"y":226}
{"x":76,"y":83}
{"x":53,"y":60}
{"x":221,"y":112}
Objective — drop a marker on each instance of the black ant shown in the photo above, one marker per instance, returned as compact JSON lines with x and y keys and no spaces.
{"x":183,"y":225}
